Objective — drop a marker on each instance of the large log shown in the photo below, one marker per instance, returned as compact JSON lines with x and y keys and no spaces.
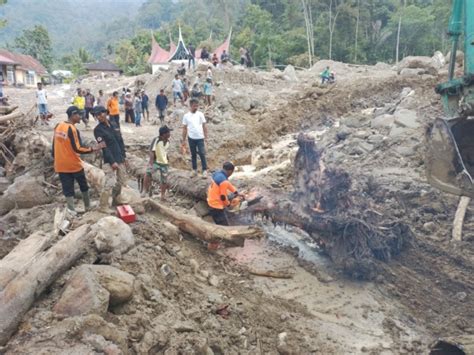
{"x":19,"y":294}
{"x":21,"y":256}
{"x":5,"y":110}
{"x":209,"y":232}
{"x":337,"y":217}
{"x":10,"y":117}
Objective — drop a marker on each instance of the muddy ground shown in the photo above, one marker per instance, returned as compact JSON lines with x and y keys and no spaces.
{"x":419,"y":296}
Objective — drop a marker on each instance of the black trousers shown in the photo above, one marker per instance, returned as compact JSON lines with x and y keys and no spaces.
{"x":67,"y":182}
{"x":219,"y":216}
{"x":129,"y":115}
{"x":116,"y":119}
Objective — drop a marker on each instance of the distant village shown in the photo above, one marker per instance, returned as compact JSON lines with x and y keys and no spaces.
{"x":23,"y":70}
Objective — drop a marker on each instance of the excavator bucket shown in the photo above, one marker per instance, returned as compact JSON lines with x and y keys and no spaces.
{"x":449,"y":157}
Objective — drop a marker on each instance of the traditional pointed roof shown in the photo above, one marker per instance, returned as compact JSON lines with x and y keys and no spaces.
{"x":158,"y":54}
{"x":225,"y":46}
{"x":181,"y":51}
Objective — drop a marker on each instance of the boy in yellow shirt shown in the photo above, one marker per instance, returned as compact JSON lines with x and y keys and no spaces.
{"x":158,"y":163}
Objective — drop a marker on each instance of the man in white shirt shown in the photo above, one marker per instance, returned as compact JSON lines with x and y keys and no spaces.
{"x":195,"y":131}
{"x":177,"y":85}
{"x":42,"y":100}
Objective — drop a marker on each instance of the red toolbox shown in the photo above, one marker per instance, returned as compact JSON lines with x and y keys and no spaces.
{"x":126,"y":213}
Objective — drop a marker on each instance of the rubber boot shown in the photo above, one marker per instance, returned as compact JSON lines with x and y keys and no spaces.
{"x":70,"y":203}
{"x":116,"y":191}
{"x":87,"y":200}
{"x":104,"y":201}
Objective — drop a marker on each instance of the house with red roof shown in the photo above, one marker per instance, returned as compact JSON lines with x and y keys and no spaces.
{"x":178,"y":53}
{"x":20,"y":69}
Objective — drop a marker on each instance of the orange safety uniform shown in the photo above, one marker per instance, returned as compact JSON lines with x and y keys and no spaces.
{"x":67,"y":146}
{"x":217,"y":193}
{"x":113,"y":106}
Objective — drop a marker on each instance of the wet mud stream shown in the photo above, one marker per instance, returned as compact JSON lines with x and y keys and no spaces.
{"x":348,"y":316}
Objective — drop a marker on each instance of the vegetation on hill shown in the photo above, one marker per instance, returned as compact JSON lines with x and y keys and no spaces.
{"x":275,"y":31}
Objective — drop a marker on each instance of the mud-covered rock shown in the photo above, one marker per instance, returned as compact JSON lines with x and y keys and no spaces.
{"x":113,"y":234}
{"x":118,"y":283}
{"x":411,"y":72}
{"x":406,"y":118}
{"x":289,"y":74}
{"x":384,"y":121}
{"x":25,"y":192}
{"x":418,"y":62}
{"x":459,"y":57}
{"x":82,"y":295}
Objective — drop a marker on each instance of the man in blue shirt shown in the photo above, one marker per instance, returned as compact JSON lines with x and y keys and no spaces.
{"x":161,"y":104}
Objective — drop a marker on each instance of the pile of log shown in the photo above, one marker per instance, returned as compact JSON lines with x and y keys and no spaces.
{"x":33,"y":265}
{"x":11,"y":119}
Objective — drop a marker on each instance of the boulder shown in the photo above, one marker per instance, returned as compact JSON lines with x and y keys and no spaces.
{"x":118,"y":283}
{"x":382,"y":66}
{"x":128,"y":196}
{"x":82,"y":295}
{"x":408,"y":72}
{"x":241,"y":102}
{"x":459,"y":57}
{"x":289,"y":74}
{"x":438,"y":60}
{"x":384,"y":121}
{"x":25,"y":192}
{"x":202,"y":66}
{"x":113,"y":234}
{"x":418,"y":62}
{"x":406,"y":118}
{"x":95,"y":176}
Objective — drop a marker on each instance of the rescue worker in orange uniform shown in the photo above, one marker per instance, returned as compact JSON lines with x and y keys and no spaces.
{"x":67,"y":146}
{"x":219,"y":192}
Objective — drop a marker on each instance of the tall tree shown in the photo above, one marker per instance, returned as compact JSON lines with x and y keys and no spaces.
{"x":36,"y":42}
{"x":308,"y":18}
{"x":397,"y":51}
{"x":356,"y":42}
{"x":333,"y":13}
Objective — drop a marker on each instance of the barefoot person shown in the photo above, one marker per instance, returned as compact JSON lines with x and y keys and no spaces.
{"x":67,"y":146}
{"x":158,"y":163}
{"x":195,"y":132}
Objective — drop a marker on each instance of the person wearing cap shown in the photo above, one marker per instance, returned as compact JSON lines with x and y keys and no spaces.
{"x":217,"y":194}
{"x":113,"y":107}
{"x":158,"y":163}
{"x":67,"y":146}
{"x":113,"y":154}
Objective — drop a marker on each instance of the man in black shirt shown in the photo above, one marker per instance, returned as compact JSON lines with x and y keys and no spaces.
{"x":113,"y":155}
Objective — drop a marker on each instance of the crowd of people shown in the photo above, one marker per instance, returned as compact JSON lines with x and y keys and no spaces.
{"x":106,"y":110}
{"x":67,"y":143}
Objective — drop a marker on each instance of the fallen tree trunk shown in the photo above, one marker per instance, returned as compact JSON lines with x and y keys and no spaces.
{"x":5,"y":110}
{"x":19,"y":258}
{"x":324,"y":206}
{"x":208,"y":232}
{"x":459,"y":217}
{"x":11,"y":117}
{"x":19,"y":294}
